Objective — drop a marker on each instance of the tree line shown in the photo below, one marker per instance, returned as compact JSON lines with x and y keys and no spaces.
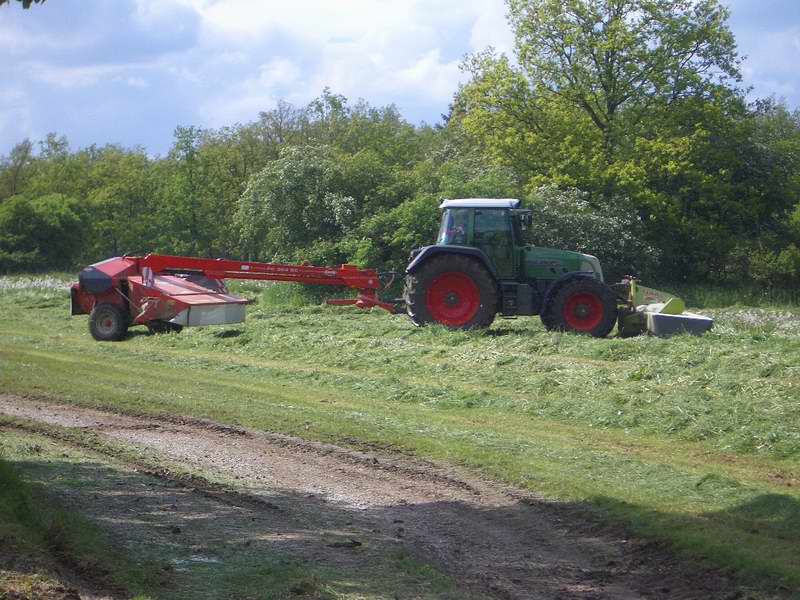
{"x":622,"y":123}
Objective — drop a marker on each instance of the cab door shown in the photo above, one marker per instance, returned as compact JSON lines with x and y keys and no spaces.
{"x":492,"y":234}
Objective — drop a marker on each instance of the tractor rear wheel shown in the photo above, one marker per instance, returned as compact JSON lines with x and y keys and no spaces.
{"x":583,"y":306}
{"x":108,"y":322}
{"x":452,"y":290}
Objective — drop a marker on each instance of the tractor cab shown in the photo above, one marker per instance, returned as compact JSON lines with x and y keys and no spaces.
{"x":492,"y":225}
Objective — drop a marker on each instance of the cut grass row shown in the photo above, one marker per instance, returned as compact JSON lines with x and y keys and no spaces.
{"x":689,"y":440}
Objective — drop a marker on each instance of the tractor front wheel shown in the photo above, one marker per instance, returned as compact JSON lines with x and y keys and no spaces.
{"x":583,"y":306}
{"x":108,"y":322}
{"x":452,"y":290}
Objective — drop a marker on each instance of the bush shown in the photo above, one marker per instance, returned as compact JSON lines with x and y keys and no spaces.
{"x":294,"y":203}
{"x":385,"y":239}
{"x":612,"y":231}
{"x":42,"y":233}
{"x":776,"y":269}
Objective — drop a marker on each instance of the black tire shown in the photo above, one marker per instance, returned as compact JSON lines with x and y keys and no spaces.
{"x":453,"y":290}
{"x":164,"y":327}
{"x":548,"y":319}
{"x":108,"y":322}
{"x":584,"y":306}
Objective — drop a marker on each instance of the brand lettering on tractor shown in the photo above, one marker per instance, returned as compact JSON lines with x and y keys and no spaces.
{"x":544,"y":263}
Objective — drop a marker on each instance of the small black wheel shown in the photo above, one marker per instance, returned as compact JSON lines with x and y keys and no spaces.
{"x":584,"y":306}
{"x":164,"y":327}
{"x":108,"y":322}
{"x":453,"y":290}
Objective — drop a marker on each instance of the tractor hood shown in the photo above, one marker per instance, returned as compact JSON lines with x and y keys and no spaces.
{"x":550,"y":263}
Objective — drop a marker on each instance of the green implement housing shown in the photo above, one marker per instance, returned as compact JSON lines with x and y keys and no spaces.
{"x":481,"y":266}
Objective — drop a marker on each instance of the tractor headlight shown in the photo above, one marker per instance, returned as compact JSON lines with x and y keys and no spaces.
{"x":591,"y":264}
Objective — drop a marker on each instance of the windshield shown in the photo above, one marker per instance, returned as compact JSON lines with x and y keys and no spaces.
{"x":454,"y":227}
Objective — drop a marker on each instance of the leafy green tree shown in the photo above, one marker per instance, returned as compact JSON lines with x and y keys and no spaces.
{"x":58,"y":170}
{"x":14,"y":169}
{"x":46,"y":232}
{"x":385,"y":239}
{"x":613,"y":231}
{"x":591,"y":75}
{"x":119,"y":208}
{"x":637,"y":98}
{"x":614,"y":60}
{"x":293,"y":203}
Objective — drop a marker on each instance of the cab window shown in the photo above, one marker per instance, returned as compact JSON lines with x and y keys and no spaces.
{"x":454,"y":227}
{"x":493,"y":236}
{"x":491,"y":222}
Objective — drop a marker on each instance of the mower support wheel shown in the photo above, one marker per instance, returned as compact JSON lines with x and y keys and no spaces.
{"x":452,"y":290}
{"x":108,"y":322}
{"x":584,"y":306}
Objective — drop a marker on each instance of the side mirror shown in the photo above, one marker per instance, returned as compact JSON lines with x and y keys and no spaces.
{"x":525,"y":217}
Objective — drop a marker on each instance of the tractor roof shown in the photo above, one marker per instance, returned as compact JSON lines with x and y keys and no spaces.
{"x":480,"y":203}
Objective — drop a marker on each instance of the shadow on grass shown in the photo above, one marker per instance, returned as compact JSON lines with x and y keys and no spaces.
{"x":227,"y":333}
{"x":223,"y":545}
{"x":759,"y":538}
{"x":278,"y":543}
{"x":134,"y":332}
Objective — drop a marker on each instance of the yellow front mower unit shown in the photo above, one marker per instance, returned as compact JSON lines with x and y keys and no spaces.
{"x":657,"y":312}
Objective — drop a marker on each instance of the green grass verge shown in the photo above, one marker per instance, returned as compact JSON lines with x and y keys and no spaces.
{"x":693,"y":441}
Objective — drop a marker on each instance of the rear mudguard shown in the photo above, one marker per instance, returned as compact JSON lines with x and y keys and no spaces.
{"x":423,"y":254}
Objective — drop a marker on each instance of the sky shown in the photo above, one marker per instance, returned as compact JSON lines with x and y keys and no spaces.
{"x":130,"y":71}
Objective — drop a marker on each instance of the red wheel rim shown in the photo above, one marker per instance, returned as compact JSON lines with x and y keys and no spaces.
{"x":583,"y":311}
{"x":105,"y":324}
{"x":453,"y":299}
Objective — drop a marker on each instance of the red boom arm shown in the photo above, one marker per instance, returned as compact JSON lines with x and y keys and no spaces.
{"x":366,"y":281}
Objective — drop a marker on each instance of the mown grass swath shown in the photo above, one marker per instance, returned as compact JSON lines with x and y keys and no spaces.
{"x":693,"y":441}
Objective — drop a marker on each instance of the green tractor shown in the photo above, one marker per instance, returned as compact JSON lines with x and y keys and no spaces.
{"x":480,"y":266}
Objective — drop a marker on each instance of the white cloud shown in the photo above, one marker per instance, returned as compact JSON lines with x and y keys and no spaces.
{"x":239,"y":57}
{"x":278,"y":72}
{"x":492,"y":29}
{"x":18,"y":41}
{"x":156,"y":13}
{"x":771,"y":63}
{"x":436,"y":78}
{"x":136,"y":82}
{"x":72,"y":77}
{"x":243,"y":101}
{"x":379,"y":50}
{"x":16,"y":115}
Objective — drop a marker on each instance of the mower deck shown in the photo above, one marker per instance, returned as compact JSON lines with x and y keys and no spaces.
{"x":188,"y":301}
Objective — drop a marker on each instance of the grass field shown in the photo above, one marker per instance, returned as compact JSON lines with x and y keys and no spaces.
{"x":692,"y":441}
